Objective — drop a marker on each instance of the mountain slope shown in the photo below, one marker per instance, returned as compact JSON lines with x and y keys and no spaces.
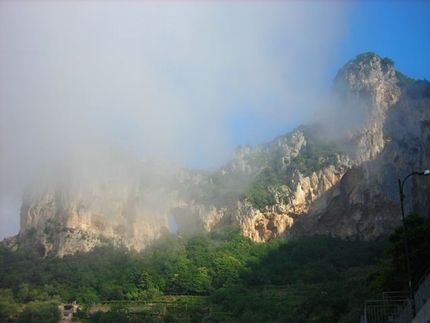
{"x":337,"y":177}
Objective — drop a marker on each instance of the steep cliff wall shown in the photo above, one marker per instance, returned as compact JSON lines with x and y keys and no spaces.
{"x":349,"y":186}
{"x":304,"y":182}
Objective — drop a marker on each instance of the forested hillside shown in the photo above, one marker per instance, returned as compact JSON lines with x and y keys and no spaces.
{"x":220,"y":276}
{"x":215,"y":277}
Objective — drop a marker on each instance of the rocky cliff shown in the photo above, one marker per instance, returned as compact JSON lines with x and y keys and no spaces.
{"x":308,"y":181}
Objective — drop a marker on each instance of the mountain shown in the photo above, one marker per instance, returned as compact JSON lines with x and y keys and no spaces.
{"x":337,"y":176}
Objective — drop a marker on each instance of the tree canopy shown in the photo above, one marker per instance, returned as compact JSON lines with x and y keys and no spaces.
{"x":227,"y":276}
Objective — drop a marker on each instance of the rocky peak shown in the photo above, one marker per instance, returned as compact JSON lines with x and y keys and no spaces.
{"x":368,"y":73}
{"x":367,"y":88}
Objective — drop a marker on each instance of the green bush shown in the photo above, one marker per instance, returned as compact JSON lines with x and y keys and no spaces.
{"x":259,"y":194}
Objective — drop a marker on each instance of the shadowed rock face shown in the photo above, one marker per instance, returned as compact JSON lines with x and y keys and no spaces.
{"x":350,"y":192}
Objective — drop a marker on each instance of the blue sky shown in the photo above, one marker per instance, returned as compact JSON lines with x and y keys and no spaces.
{"x":180,"y":81}
{"x":396,"y":29}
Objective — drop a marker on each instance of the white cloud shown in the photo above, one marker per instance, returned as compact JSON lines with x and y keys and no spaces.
{"x":159,"y":78}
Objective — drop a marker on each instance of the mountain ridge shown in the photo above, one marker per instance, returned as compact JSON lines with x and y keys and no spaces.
{"x":338,"y":178}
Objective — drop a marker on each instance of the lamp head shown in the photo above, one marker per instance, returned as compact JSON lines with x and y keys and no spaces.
{"x":424,"y":173}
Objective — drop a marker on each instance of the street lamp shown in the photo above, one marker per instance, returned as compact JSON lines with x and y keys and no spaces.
{"x":408,"y":265}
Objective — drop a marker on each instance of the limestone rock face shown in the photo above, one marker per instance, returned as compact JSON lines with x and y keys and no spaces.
{"x":355,"y":192}
{"x":311,"y":183}
{"x":65,"y":221}
{"x":263,"y":225}
{"x":370,"y":85}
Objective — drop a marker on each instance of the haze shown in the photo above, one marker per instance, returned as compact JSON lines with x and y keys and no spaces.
{"x":184,"y":82}
{"x":178,"y":82}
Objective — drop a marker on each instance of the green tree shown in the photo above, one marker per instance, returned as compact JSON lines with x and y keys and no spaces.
{"x":8,"y":306}
{"x":40,"y":312}
{"x":24,"y":293}
{"x":199,"y":250}
{"x":392,"y":272}
{"x":225,"y":271}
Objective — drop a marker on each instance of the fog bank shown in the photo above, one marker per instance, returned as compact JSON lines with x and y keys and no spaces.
{"x":184,"y":82}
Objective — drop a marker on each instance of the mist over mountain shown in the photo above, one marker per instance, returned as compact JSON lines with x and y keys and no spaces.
{"x":179,"y":82}
{"x":336,"y":175}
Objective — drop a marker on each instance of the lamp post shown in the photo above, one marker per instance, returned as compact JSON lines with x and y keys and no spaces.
{"x":408,"y":265}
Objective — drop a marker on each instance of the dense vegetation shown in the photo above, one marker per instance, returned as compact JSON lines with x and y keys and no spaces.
{"x":260,"y":192}
{"x":214,"y":277}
